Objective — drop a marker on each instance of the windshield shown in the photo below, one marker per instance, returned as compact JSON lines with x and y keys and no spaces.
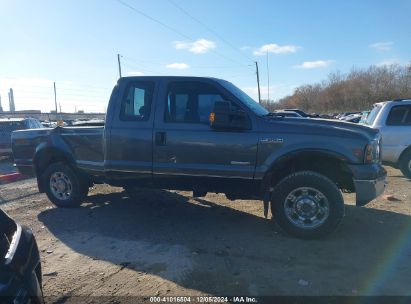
{"x":373,"y":114}
{"x":247,"y":100}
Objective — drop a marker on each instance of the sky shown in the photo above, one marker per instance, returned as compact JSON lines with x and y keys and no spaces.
{"x":75,"y":43}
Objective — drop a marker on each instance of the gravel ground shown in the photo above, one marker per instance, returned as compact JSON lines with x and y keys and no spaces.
{"x":170,"y":244}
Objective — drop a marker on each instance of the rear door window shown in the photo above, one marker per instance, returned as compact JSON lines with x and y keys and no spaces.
{"x":399,"y":116}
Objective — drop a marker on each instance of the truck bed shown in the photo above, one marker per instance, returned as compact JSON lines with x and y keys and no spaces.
{"x":85,"y":144}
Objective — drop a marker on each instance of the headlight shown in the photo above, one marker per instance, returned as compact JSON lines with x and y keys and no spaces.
{"x":372,"y":152}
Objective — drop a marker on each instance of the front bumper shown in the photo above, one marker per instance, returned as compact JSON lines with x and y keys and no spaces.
{"x":369,"y":182}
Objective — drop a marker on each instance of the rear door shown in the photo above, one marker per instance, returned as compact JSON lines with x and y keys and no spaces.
{"x":396,"y":132}
{"x":186,"y":148}
{"x":130,"y":151}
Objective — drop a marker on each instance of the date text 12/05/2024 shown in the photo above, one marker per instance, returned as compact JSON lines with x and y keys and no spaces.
{"x":203,"y":299}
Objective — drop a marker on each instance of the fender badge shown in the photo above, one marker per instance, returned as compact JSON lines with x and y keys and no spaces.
{"x":267,"y":140}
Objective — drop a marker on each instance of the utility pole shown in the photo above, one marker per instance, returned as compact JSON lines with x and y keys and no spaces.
{"x":268,"y":80}
{"x":55,"y":97}
{"x":258,"y":82}
{"x":119,"y":64}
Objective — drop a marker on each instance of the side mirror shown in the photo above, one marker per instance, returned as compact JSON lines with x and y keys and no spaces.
{"x":224,"y":116}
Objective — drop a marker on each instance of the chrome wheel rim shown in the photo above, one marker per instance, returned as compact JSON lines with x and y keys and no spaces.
{"x":306,"y":207}
{"x":61,"y":186}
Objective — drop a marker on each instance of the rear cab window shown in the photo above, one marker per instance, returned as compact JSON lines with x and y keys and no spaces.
{"x":137,"y":101}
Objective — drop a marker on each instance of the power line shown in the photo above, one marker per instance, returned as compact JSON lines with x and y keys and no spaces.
{"x":153,"y":19}
{"x":208,"y":29}
{"x":170,"y":28}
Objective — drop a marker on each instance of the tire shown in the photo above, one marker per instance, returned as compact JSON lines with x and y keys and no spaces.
{"x":307,"y":205}
{"x":405,"y":164}
{"x":133,"y":192}
{"x":64,"y":187}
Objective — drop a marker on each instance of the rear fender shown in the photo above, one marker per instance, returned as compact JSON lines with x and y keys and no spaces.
{"x":46,"y":153}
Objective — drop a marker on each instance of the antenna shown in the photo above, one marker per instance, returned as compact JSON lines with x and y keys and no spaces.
{"x":119,"y":64}
{"x":268,"y":80}
{"x":258,"y":82}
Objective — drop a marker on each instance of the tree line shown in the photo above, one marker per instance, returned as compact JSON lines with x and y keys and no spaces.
{"x":356,"y":91}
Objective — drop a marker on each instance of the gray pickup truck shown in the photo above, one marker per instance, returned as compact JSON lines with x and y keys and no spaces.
{"x":206,"y":135}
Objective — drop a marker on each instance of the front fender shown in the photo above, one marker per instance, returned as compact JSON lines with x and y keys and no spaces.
{"x":274,"y":155}
{"x":282,"y":163}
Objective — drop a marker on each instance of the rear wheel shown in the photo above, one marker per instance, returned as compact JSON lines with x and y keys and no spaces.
{"x":64,"y":187}
{"x":405,"y":164}
{"x":307,"y":205}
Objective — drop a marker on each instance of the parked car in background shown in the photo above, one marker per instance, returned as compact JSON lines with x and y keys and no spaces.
{"x":88,"y":122}
{"x":302,"y":113}
{"x":364,"y":117}
{"x":393,"y":119}
{"x":287,"y":113}
{"x":49,"y":124}
{"x":348,"y":115}
{"x":354,"y":118}
{"x":326,"y":116}
{"x":8,"y":125}
{"x":20,"y":268}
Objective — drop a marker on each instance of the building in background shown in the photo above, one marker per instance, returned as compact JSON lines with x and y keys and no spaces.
{"x":12,"y":107}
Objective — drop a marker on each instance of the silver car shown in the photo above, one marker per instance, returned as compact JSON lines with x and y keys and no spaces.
{"x":393,"y":119}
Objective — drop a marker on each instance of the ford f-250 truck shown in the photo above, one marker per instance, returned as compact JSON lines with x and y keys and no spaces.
{"x":206,"y":135}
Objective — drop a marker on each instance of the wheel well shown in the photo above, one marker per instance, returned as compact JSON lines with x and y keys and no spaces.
{"x":327,"y":165}
{"x":43,"y":161}
{"x":47,"y":159}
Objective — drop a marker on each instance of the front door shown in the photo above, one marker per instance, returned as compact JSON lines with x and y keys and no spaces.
{"x":186,"y":148}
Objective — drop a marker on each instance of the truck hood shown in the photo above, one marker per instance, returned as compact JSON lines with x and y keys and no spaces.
{"x":323,"y":126}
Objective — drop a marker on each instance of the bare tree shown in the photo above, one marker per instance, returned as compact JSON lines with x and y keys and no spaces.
{"x":358,"y":90}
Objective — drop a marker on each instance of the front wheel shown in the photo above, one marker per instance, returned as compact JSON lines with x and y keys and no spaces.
{"x":307,"y":205}
{"x":64,"y":187}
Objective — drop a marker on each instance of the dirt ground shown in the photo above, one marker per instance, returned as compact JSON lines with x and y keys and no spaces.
{"x":169,"y":244}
